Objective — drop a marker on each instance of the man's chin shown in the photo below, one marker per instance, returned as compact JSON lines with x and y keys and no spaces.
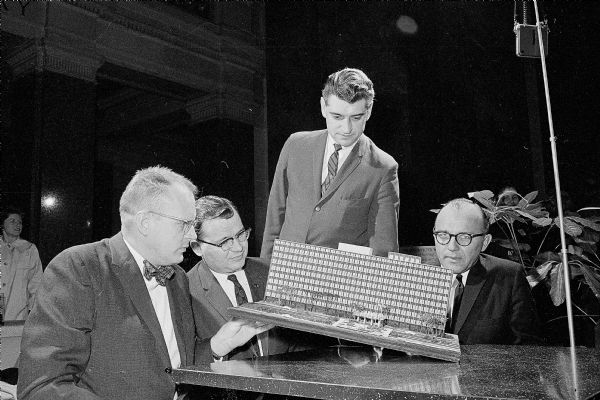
{"x":455,"y":268}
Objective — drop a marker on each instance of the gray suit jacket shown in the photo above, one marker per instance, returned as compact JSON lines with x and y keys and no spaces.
{"x":93,"y":332}
{"x":360,"y":207}
{"x":210,"y":304}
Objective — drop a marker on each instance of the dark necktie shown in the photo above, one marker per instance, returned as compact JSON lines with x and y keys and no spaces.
{"x":241,"y":298}
{"x":240,"y":294}
{"x":458,"y":293}
{"x":161,"y":273}
{"x":332,"y":167}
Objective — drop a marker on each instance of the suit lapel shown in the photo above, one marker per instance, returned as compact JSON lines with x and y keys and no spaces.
{"x":214,"y":292}
{"x":176,"y":305}
{"x":318,"y":154}
{"x":353,"y":160}
{"x":475,"y":280}
{"x":257,"y":285}
{"x":131,"y":279}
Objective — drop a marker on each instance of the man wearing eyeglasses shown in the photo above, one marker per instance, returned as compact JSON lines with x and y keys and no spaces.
{"x":225,"y":276}
{"x":490,"y":301}
{"x":114,"y":317}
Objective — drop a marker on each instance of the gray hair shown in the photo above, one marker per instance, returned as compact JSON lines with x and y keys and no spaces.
{"x":148,"y":187}
{"x":461,"y":203}
{"x":212,"y":207}
{"x":350,"y":85}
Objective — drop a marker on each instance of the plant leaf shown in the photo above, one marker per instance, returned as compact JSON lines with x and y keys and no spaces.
{"x":544,"y":221}
{"x":545,"y":268}
{"x":557,"y":289}
{"x":484,"y":194}
{"x":535,"y":218}
{"x":571,"y":228}
{"x":592,"y":277}
{"x":585,"y":222}
{"x":484,"y":197}
{"x":547,"y":256}
{"x":528,"y":198}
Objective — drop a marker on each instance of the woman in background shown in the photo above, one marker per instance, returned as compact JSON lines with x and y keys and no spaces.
{"x":20,"y":268}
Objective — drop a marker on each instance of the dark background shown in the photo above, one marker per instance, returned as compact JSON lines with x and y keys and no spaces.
{"x":454,"y":106}
{"x":451,"y":100}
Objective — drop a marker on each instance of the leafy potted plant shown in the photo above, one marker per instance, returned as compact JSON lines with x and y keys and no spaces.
{"x":532,"y":235}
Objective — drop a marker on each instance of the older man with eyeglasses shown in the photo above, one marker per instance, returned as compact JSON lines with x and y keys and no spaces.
{"x":490,"y":300}
{"x":113,"y":318}
{"x":225,"y":276}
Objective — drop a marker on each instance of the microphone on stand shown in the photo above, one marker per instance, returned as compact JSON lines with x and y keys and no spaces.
{"x":526,"y":35}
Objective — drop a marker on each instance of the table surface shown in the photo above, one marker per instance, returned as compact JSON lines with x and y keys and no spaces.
{"x":484,"y":371}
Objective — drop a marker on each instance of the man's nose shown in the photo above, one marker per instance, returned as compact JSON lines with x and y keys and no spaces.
{"x":453,"y":244}
{"x":237,"y":245}
{"x":346,"y":125}
{"x":191,"y":234}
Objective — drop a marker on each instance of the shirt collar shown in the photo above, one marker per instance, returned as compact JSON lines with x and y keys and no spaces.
{"x":464,"y":276}
{"x":136,"y":256}
{"x":330,"y":143}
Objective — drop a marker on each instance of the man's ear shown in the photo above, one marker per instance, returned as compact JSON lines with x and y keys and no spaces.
{"x":323,"y":108}
{"x":368,"y":113}
{"x":142,"y":222}
{"x":486,"y":241}
{"x":197,"y":249}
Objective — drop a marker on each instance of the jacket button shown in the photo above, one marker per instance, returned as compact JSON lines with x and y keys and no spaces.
{"x":168,"y":370}
{"x":317,"y":208}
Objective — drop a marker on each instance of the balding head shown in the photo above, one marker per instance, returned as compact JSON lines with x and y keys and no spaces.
{"x":461,"y":216}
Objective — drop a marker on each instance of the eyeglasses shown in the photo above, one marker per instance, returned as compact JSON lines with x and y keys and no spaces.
{"x":463,"y":239}
{"x":226,"y":244}
{"x":185,"y":224}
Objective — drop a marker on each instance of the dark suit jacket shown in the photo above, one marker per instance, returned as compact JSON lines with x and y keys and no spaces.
{"x":93,"y":332}
{"x":210,"y":304}
{"x":360,"y":207}
{"x":497,"y":306}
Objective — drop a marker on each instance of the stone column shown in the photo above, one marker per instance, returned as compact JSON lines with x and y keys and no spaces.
{"x":51,"y":140}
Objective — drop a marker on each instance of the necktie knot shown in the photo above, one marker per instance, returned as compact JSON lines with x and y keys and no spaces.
{"x":240,"y":293}
{"x":459,"y":279}
{"x":160,"y":273}
{"x":337,"y":146}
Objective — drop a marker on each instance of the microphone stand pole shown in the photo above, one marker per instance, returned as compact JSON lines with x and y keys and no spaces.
{"x":565,"y":260}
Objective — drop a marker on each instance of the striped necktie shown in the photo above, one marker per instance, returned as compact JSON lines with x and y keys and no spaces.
{"x":240,"y":293}
{"x":332,"y":167}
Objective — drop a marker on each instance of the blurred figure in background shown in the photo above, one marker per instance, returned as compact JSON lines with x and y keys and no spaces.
{"x":20,"y":268}
{"x":508,"y":196}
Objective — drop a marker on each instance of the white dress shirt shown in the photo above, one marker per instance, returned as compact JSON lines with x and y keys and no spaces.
{"x":329,"y":149}
{"x":453,"y":289}
{"x":229,"y":289}
{"x":160,"y":301}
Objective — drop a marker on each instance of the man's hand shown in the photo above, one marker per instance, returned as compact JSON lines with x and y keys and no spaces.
{"x":234,"y":334}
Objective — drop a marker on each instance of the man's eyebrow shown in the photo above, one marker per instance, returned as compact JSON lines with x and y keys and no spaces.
{"x":230,"y":237}
{"x":351,"y":115}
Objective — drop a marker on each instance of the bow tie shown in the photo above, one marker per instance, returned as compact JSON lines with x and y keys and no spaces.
{"x":161,"y":273}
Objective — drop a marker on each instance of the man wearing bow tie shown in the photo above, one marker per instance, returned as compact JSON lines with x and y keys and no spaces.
{"x":113,"y":318}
